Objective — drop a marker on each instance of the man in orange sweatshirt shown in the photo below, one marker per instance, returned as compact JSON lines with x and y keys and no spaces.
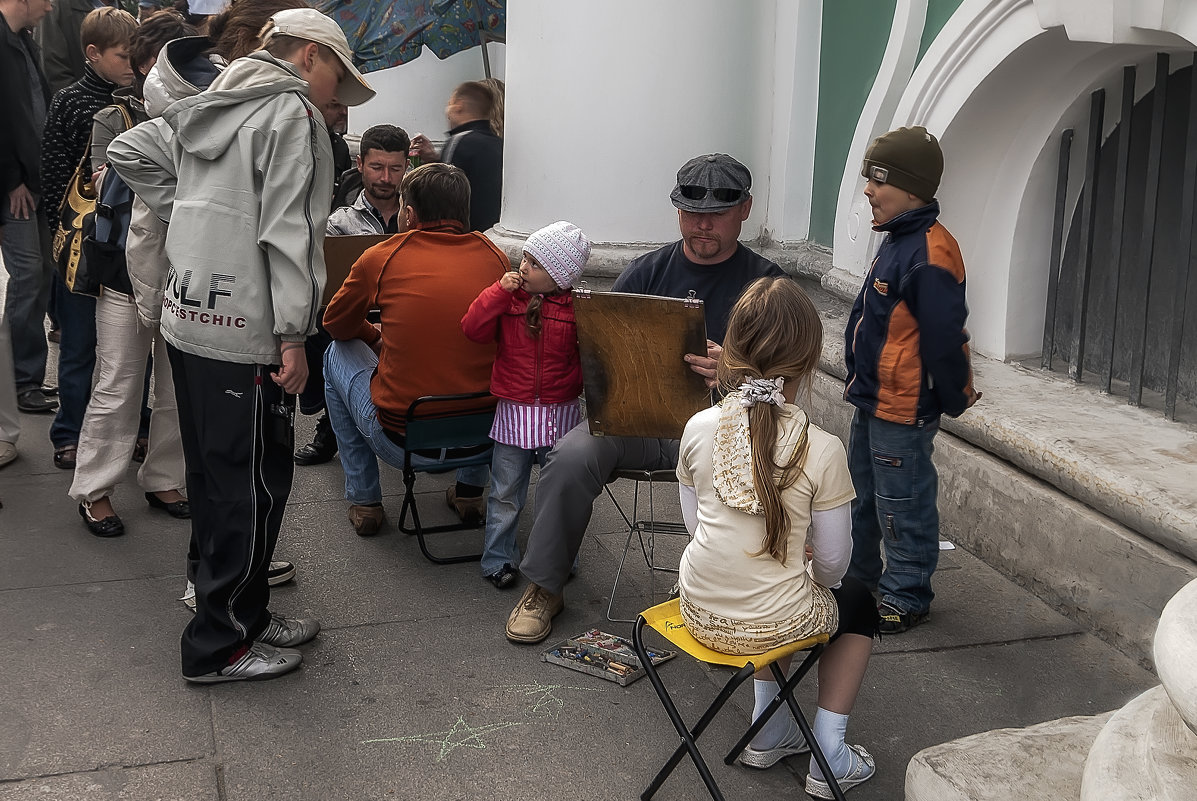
{"x":423,"y":281}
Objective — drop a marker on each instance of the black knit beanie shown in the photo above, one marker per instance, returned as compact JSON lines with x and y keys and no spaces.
{"x":911,"y":159}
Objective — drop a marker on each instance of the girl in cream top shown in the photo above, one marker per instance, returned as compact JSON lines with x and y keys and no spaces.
{"x":755,"y":476}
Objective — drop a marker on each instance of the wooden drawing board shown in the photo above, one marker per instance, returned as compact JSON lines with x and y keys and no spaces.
{"x":632,"y":346}
{"x":340,"y":252}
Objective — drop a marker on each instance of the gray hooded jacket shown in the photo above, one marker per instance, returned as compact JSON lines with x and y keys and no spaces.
{"x":182,"y":70}
{"x":242,"y":173}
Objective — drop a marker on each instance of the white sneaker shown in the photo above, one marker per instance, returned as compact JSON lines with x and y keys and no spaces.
{"x":862,"y":770}
{"x":795,"y":743}
{"x":286,"y":632}
{"x":8,"y":453}
{"x":188,"y":597}
{"x":260,"y":661}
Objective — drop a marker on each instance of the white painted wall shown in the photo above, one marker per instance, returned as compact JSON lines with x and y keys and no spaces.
{"x":602,"y":108}
{"x":413,"y":95}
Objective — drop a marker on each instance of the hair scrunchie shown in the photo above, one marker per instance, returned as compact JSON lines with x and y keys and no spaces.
{"x":762,"y":390}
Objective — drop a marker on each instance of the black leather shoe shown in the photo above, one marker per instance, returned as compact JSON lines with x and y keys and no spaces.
{"x":323,"y":446}
{"x":110,"y":526}
{"x":65,"y":457}
{"x":180,"y":509}
{"x":34,"y":401}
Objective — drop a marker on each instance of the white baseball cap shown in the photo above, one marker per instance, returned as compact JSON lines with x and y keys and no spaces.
{"x":314,"y":26}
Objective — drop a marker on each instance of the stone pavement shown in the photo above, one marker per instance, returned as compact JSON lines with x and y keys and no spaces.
{"x":412,"y":692}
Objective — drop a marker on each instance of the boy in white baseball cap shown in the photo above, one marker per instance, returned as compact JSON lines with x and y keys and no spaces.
{"x":310,"y":25}
{"x":244,"y":289}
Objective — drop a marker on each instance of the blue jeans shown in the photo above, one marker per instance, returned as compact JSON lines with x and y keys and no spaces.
{"x":76,"y":363}
{"x":896,"y":496}
{"x":28,"y":293}
{"x":510,"y":470}
{"x":361,"y":440}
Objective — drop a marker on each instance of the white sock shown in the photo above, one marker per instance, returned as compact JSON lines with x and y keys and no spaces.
{"x":778,"y":729}
{"x":829,"y":729}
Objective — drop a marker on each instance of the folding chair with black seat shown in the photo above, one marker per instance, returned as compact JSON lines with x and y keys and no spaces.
{"x":453,"y":430}
{"x":645,"y":530}
{"x":666,"y":619}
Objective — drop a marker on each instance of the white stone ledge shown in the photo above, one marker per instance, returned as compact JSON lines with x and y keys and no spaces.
{"x":607,"y":259}
{"x":1038,"y":763}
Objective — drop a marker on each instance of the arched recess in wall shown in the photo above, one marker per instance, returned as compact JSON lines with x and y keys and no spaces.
{"x":998,"y":84}
{"x":1142,"y":291}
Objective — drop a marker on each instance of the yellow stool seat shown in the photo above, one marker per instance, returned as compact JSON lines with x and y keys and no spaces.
{"x":666,"y":619}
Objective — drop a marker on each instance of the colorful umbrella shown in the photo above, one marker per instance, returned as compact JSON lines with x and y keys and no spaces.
{"x":383,"y":34}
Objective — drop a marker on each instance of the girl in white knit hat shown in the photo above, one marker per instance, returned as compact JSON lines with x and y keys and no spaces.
{"x":537,"y":377}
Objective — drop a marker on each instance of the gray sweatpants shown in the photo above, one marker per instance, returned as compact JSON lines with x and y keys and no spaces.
{"x":572,"y":478}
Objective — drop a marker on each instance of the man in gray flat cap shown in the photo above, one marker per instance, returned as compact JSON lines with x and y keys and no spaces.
{"x":713,"y":201}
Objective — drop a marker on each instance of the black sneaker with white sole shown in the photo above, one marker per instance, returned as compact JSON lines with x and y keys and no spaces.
{"x":279,"y":573}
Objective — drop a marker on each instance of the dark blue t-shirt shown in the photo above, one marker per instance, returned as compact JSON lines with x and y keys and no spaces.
{"x":666,"y":272}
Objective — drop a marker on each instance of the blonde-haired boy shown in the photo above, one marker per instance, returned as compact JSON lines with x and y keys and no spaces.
{"x":104,"y":34}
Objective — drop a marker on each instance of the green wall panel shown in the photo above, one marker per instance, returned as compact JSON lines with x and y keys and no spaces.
{"x":938,"y":12}
{"x":852,"y":45}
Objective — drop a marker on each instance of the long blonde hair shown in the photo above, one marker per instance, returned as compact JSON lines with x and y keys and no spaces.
{"x":774,"y":330}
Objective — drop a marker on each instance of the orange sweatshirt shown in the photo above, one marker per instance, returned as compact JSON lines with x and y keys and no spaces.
{"x":422,"y":281}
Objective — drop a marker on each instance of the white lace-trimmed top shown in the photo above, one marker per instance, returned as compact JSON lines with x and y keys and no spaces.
{"x":718,"y":571}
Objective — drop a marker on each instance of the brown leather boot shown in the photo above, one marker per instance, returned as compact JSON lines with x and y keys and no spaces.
{"x":366,"y":520}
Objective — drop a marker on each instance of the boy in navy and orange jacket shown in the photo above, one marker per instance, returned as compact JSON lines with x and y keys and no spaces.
{"x":908,"y":363}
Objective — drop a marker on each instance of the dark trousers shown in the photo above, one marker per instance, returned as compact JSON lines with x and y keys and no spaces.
{"x":237,"y":430}
{"x":311,"y":400}
{"x":572,"y":478}
{"x":76,"y":363}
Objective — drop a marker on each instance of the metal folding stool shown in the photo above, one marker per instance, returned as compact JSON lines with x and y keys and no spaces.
{"x":666,"y":619}
{"x":644,"y":530}
{"x":441,"y":427}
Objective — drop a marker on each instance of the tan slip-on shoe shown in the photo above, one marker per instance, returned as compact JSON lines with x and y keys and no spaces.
{"x":532,"y":619}
{"x":366,"y":520}
{"x":8,"y":453}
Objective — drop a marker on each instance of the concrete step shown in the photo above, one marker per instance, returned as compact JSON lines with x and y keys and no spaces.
{"x":1144,"y":753}
{"x":1038,"y":763}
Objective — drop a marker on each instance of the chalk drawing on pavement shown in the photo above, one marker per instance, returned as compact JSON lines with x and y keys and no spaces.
{"x":545,"y":700}
{"x":459,"y":735}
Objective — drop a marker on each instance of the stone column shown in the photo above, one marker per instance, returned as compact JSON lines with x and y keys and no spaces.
{"x":605,"y":101}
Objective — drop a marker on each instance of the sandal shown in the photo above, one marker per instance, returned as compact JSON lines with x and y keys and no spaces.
{"x":64,"y":457}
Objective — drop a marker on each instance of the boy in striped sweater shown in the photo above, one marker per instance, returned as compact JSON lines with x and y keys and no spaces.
{"x":105,"y":36}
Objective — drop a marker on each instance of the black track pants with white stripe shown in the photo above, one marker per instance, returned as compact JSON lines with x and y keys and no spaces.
{"x":237,"y":429}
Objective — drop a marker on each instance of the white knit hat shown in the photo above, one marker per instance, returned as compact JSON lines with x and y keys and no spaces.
{"x":562,"y":250}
